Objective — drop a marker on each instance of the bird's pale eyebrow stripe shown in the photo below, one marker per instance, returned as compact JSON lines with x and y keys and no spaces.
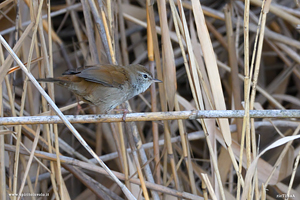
{"x":142,"y":73}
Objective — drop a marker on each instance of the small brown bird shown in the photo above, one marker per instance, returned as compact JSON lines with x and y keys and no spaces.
{"x":106,"y":86}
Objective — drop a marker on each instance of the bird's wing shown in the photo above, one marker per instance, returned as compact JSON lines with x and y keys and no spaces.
{"x":108,"y":75}
{"x":77,"y":70}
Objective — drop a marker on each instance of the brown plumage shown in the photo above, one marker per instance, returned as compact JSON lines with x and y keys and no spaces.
{"x":106,"y":86}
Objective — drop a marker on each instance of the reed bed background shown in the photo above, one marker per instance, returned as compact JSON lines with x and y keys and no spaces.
{"x":210,"y":55}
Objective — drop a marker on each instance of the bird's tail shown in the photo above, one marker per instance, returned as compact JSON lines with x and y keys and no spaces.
{"x":53,"y":80}
{"x":59,"y":81}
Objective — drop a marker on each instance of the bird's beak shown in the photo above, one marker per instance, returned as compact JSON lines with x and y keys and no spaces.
{"x":157,"y":81}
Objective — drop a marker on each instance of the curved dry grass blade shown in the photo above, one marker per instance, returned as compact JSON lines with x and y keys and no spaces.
{"x":213,"y":74}
{"x":169,"y":71}
{"x":253,"y":165}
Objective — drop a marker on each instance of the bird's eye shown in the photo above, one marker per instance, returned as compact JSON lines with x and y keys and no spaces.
{"x":145,"y":76}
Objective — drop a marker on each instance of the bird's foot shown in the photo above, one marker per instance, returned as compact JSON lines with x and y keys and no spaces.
{"x":124,"y":110}
{"x":79,"y":109}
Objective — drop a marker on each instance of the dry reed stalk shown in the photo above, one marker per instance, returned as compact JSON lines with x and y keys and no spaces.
{"x":251,"y":27}
{"x":191,"y":137}
{"x":78,"y":32}
{"x":56,"y":178}
{"x":192,"y":144}
{"x":186,"y":155}
{"x":132,"y":144}
{"x":152,"y":116}
{"x":252,"y":168}
{"x":29,"y":161}
{"x":233,"y":62}
{"x":265,"y":10}
{"x":16,"y":161}
{"x":215,"y":83}
{"x":142,"y":155}
{"x":150,"y":50}
{"x":174,"y":39}
{"x":8,"y":61}
{"x":120,"y":143}
{"x":5,"y":3}
{"x":123,"y":36}
{"x":90,"y":33}
{"x":94,"y":168}
{"x":54,"y":156}
{"x":277,"y":11}
{"x":209,"y":186}
{"x":126,"y":191}
{"x":136,"y":140}
{"x":163,"y":102}
{"x":293,"y":175}
{"x":28,"y":151}
{"x":274,"y":102}
{"x":2,"y":154}
{"x":123,"y":155}
{"x":169,"y":80}
{"x":31,"y":189}
{"x":99,"y":20}
{"x":70,"y":168}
